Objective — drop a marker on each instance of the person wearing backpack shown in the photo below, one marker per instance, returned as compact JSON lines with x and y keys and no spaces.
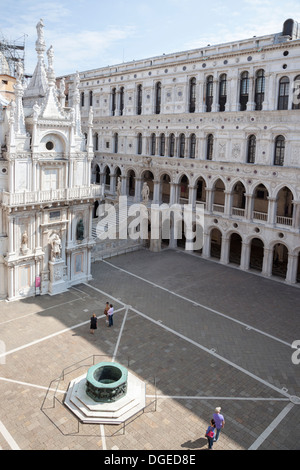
{"x":210,"y":434}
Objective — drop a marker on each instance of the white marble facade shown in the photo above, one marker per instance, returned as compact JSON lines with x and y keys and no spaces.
{"x":45,"y":187}
{"x":218,"y":125}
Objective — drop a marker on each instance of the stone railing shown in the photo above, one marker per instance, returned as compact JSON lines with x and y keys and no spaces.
{"x":51,"y":195}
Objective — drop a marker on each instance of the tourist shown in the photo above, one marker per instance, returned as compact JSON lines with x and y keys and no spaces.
{"x":220,"y":422}
{"x":210,"y":434}
{"x":105,"y":311}
{"x":93,"y":325}
{"x":110,"y":315}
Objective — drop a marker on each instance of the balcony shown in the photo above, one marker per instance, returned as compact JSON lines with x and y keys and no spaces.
{"x":27,"y":198}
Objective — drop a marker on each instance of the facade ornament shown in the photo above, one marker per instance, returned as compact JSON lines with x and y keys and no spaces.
{"x":24,"y":243}
{"x":55,"y":243}
{"x":145,"y":193}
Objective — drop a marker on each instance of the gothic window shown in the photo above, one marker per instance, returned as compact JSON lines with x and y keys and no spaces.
{"x":153,"y":144}
{"x":222,"y":91}
{"x":251,"y":149}
{"x":139,"y":100}
{"x":82,"y":99}
{"x":157,"y":98}
{"x":116,"y":143}
{"x":121,"y":101}
{"x":296,"y":93}
{"x":181,"y":146}
{"x":162,"y":145}
{"x":113,"y":101}
{"x":172,"y":145}
{"x":279,"y":150}
{"x":139,"y":144}
{"x":192,"y":146}
{"x":209,"y":146}
{"x":192,"y":95}
{"x":244,"y":91}
{"x":96,"y":141}
{"x":259,"y":89}
{"x":283,"y":95}
{"x":91,"y":98}
{"x":209,"y":93}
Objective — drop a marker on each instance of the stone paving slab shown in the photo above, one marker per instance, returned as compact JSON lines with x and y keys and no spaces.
{"x":199,"y":358}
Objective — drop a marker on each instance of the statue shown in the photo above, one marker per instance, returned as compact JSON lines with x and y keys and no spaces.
{"x":50,"y":55}
{"x":119,"y":187}
{"x":80,"y":230}
{"x":40,"y":33}
{"x":55,"y":243}
{"x":145,"y":193}
{"x":24,"y":242}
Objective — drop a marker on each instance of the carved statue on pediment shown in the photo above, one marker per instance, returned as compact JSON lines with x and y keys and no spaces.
{"x":145,"y":193}
{"x":55,"y":243}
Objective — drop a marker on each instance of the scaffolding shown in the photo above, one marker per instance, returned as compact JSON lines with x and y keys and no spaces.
{"x":12,"y":51}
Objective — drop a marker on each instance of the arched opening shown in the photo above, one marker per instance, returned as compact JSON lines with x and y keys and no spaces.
{"x":261,"y":203}
{"x":95,"y":208}
{"x":97,"y":173}
{"x":149,"y":178}
{"x":131,"y":183}
{"x":219,"y":196}
{"x":256,"y":254}
{"x":165,"y":189}
{"x":284,"y":213}
{"x":107,"y":178}
{"x":238,"y":199}
{"x":201,"y":191}
{"x":184,"y":190}
{"x":215,"y":243}
{"x":280,"y":260}
{"x":298,"y":269}
{"x":235,"y":249}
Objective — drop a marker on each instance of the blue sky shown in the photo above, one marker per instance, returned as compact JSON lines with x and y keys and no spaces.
{"x":88,"y":34}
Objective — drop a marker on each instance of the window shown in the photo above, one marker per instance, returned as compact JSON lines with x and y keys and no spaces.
{"x":157,"y":98}
{"x":153,"y":144}
{"x":283,"y":95}
{"x":139,"y":144}
{"x":192,"y":97}
{"x":121,"y":101}
{"x":116,"y":143}
{"x":296,"y":93}
{"x":172,"y":145}
{"x":279,"y":150}
{"x":96,"y":142}
{"x":209,"y":147}
{"x":181,"y":146}
{"x":139,"y":99}
{"x":222,"y":91}
{"x":162,"y":145}
{"x":113,"y":101}
{"x":193,"y":146}
{"x":82,"y":99}
{"x":251,"y":149}
{"x":259,"y":90}
{"x":91,"y":98}
{"x":209,"y":93}
{"x":244,"y":91}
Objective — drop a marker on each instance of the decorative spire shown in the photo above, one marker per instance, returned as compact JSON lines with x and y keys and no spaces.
{"x":19,"y":92}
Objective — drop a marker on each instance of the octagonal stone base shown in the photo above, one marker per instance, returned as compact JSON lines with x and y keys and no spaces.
{"x":89,"y":411}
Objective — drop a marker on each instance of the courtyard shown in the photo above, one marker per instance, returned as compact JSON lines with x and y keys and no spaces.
{"x":199,"y":334}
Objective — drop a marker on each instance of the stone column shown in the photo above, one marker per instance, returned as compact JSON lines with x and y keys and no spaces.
{"x":292,"y":268}
{"x":251,"y":103}
{"x":272,"y":211}
{"x":267,"y":262}
{"x":225,"y":249}
{"x":156,"y":190}
{"x":245,"y":256}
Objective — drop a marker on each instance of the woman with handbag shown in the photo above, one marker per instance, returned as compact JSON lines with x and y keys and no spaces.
{"x":210,"y":434}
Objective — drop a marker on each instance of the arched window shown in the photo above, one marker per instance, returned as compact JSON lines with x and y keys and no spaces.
{"x":172,"y":145}
{"x":251,"y":149}
{"x":222,"y":91}
{"x":96,"y":141}
{"x":162,"y":145}
{"x":259,"y":89}
{"x":181,"y":146}
{"x":139,"y":99}
{"x":283,"y":93}
{"x":244,"y":91}
{"x":116,"y":142}
{"x":153,"y":144}
{"x":113,"y":101}
{"x":279,"y":150}
{"x":121,"y":101}
{"x":209,"y":93}
{"x":82,"y":99}
{"x":209,"y":147}
{"x":192,"y":95}
{"x":193,"y":146}
{"x":139,"y":144}
{"x":157,"y":98}
{"x":91,"y":98}
{"x":296,"y":93}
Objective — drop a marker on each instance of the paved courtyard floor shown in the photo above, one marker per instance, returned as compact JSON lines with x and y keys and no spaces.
{"x":198,"y":333}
